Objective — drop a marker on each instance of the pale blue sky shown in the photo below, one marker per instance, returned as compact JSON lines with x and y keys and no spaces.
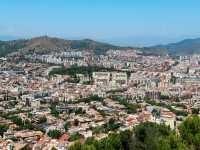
{"x":125,"y":22}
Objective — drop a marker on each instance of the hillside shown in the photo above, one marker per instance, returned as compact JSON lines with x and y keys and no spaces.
{"x":7,"y":47}
{"x":185,"y":47}
{"x":46,"y":44}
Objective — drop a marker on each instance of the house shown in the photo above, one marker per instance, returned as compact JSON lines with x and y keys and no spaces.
{"x":169,"y":118}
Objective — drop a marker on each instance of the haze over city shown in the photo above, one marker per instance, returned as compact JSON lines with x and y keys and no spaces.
{"x":129,"y":22}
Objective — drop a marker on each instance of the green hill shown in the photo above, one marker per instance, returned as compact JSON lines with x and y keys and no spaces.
{"x":44,"y":44}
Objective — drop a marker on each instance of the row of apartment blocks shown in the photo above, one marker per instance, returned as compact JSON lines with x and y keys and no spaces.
{"x":104,"y":78}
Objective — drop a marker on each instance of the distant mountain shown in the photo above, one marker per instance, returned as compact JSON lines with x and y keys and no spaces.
{"x":7,"y":47}
{"x":185,"y":47}
{"x":45,"y":44}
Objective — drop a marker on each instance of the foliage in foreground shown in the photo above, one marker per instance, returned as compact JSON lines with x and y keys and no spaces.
{"x":149,"y":136}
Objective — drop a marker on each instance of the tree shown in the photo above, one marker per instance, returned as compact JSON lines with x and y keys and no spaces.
{"x":16,"y":119}
{"x":97,"y":130}
{"x":164,"y":97}
{"x":66,"y":126}
{"x":54,"y":111}
{"x":42,"y":119}
{"x":171,"y":142}
{"x":147,"y":136}
{"x":79,"y":111}
{"x":90,"y":141}
{"x":195,"y":110}
{"x":76,"y":146}
{"x":88,"y":147}
{"x":55,"y":134}
{"x":114,"y":140}
{"x":112,"y":125}
{"x":173,"y":80}
{"x":75,"y":136}
{"x":26,"y":148}
{"x":190,"y":131}
{"x":53,"y":148}
{"x":126,"y":137}
{"x":3,"y":128}
{"x":151,"y":136}
{"x":28,"y":125}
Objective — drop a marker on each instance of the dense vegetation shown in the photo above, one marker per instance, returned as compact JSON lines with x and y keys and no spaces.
{"x":75,"y":136}
{"x":54,"y":110}
{"x":43,"y":119}
{"x":190,"y":132}
{"x":3,"y":128}
{"x":111,"y":125}
{"x":149,"y":136}
{"x":74,"y":70}
{"x":55,"y":134}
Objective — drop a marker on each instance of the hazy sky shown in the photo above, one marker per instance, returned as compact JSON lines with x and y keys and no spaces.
{"x":139,"y":22}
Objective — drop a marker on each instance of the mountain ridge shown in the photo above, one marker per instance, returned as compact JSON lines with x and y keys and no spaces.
{"x":46,"y":44}
{"x":184,"y":47}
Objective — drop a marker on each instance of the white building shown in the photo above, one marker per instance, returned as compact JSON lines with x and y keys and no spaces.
{"x":101,"y":78}
{"x":119,"y":78}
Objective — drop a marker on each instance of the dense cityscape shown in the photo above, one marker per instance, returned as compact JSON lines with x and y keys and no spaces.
{"x":61,"y":100}
{"x":99,"y":75}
